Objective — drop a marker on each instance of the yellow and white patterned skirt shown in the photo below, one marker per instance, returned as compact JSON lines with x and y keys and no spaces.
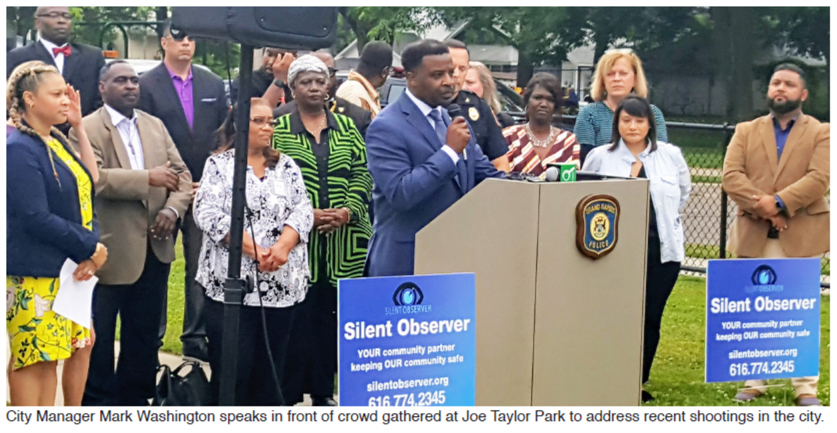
{"x":36,"y":333}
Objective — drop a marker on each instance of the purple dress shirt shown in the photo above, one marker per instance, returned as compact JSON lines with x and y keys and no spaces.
{"x":183,"y":88}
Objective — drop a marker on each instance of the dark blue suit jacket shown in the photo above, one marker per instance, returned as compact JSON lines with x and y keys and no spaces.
{"x":415,"y":181}
{"x":43,"y":221}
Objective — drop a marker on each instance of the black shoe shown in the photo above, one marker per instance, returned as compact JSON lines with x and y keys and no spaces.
{"x":196,"y":350}
{"x":323,"y":401}
{"x":646,"y":396}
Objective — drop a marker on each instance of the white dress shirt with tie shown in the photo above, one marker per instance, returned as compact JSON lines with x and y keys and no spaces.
{"x":426,"y":109}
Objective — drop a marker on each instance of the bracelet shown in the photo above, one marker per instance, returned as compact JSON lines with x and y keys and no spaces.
{"x":348,"y":213}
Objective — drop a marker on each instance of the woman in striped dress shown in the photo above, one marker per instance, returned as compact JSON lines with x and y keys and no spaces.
{"x":331,"y":153}
{"x":537,"y":143}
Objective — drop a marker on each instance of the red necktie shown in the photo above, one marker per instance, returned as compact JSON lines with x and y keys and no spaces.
{"x":66,"y":50}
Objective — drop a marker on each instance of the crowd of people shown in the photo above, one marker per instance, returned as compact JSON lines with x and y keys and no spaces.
{"x":336,"y":187}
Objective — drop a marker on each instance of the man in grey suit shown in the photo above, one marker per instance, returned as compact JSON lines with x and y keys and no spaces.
{"x":144,"y":187}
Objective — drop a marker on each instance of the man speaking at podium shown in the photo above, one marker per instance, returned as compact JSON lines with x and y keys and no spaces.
{"x":420,"y":160}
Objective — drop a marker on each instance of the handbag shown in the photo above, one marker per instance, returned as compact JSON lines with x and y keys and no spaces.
{"x":189,"y":389}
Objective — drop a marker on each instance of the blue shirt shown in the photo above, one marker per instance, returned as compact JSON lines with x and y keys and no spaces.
{"x":781,"y":138}
{"x":594,"y":124}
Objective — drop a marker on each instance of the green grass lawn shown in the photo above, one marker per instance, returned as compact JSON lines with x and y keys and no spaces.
{"x":677,"y":375}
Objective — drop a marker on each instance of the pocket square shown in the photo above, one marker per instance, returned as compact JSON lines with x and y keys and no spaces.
{"x":209,"y":99}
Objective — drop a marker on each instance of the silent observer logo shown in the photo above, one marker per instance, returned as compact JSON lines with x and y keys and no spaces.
{"x":764,"y":280}
{"x":408,"y":299}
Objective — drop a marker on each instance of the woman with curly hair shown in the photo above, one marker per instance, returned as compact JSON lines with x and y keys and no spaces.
{"x":50,"y":219}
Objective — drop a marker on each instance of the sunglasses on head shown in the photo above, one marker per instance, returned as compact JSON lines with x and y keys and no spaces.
{"x":178,"y":35}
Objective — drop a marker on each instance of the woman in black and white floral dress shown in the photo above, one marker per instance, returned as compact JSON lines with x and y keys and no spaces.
{"x":281,"y":216}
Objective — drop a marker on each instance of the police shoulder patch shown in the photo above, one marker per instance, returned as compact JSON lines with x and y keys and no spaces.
{"x":597,"y":220}
{"x":474,"y":114}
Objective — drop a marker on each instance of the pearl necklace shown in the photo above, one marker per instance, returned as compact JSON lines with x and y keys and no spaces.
{"x":548,"y":141}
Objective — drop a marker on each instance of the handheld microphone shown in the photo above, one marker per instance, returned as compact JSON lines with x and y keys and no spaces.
{"x":552,"y":174}
{"x":454,"y":111}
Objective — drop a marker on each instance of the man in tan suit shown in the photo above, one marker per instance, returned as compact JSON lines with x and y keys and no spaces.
{"x":777,"y":171}
{"x":143,"y":188}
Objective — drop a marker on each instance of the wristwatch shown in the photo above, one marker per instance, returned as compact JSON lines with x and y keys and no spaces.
{"x":779,"y":205}
{"x":278,"y":83}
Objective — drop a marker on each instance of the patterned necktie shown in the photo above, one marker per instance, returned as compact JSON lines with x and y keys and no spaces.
{"x":439,"y":124}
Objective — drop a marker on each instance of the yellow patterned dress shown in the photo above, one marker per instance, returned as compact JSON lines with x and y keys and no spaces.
{"x":36,"y":333}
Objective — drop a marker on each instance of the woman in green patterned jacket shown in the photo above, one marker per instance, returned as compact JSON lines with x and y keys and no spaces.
{"x":331,"y":153}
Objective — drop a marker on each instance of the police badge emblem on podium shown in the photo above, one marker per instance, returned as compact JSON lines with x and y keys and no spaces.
{"x":597,"y":220}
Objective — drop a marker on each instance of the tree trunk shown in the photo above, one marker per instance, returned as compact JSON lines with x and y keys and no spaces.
{"x":525,"y":67}
{"x":734,"y":54}
{"x":360,"y":34}
{"x":161,"y":14}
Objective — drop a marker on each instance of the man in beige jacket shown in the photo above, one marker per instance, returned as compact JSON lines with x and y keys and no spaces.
{"x":372,"y":72}
{"x":143,"y":189}
{"x":777,"y":171}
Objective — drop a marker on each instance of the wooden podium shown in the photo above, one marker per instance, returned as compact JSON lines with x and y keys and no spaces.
{"x":554,"y":327}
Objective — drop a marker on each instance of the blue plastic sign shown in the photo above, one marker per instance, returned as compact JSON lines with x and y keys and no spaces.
{"x":762,"y":319}
{"x":407,"y":341}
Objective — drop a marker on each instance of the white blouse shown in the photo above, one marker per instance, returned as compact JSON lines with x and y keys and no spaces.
{"x":278,"y":200}
{"x":670,"y":186}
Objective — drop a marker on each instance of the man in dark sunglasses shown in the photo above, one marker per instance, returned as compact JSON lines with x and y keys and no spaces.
{"x":192,"y":104}
{"x":79,"y":64}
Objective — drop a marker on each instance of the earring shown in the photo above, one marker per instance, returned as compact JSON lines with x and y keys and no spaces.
{"x":32,"y":105}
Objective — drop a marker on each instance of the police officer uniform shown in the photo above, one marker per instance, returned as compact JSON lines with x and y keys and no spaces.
{"x":488,"y":133}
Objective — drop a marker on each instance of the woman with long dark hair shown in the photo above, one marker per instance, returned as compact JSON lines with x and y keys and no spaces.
{"x":278,"y":219}
{"x":635,"y":152}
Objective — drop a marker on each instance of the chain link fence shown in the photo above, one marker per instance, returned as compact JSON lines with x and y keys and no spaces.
{"x":709,"y":212}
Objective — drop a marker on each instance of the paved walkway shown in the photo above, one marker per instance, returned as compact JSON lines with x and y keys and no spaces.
{"x":165,"y":358}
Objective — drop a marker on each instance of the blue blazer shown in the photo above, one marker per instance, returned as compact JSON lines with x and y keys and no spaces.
{"x":415,"y":181}
{"x":43,"y":221}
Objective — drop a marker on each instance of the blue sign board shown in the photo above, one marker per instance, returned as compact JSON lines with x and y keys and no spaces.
{"x":762,"y":319}
{"x":407,"y":341}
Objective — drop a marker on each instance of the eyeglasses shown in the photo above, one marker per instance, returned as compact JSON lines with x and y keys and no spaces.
{"x":261,"y":121}
{"x":332,"y":72}
{"x":389,"y":71}
{"x":55,"y":15}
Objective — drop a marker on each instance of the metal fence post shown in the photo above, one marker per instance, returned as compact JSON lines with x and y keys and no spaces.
{"x":722,"y":245}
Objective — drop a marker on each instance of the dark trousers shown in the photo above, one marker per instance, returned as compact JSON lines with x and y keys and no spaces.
{"x":194,"y":332}
{"x":312,"y":352}
{"x":659,"y":282}
{"x":255,"y":385}
{"x":138,"y":308}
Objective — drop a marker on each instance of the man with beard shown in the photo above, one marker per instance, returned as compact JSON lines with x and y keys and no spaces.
{"x":79,"y":64}
{"x":421,"y":160}
{"x":777,"y":171}
{"x":143,"y":187}
{"x":361,"y":117}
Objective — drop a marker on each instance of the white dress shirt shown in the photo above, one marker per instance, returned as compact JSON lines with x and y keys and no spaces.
{"x":59,"y":59}
{"x":670,"y":186}
{"x":426,"y":109}
{"x":129,"y":133}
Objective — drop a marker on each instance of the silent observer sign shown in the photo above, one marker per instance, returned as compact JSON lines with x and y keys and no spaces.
{"x":762,"y":319}
{"x":407,"y":341}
